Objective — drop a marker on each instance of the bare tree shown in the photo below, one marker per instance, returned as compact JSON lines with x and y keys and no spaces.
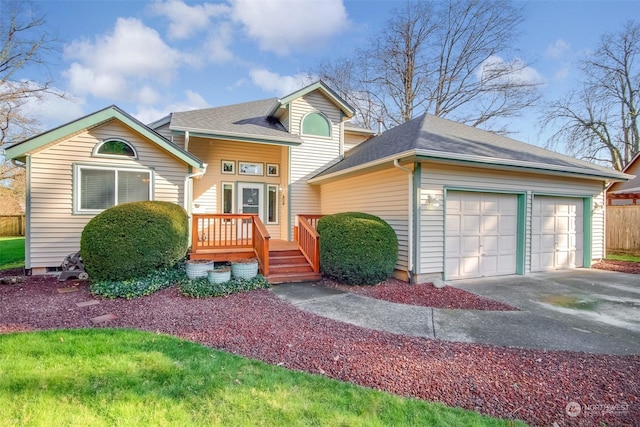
{"x":599,"y":122}
{"x":23,"y":44}
{"x":444,"y":59}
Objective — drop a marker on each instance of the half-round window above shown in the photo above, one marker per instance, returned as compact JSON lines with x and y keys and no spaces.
{"x":116,"y":147}
{"x":316,"y":124}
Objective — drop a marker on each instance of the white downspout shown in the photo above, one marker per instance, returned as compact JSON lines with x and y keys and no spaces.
{"x":187,"y":202}
{"x":396,"y":163}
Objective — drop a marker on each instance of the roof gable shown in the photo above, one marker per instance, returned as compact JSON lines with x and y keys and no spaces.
{"x":438,"y":139}
{"x":633,"y":185}
{"x":93,"y":120}
{"x":319,"y":86}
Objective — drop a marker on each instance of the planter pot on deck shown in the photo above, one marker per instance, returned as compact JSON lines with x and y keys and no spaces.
{"x":219,"y":275}
{"x":198,"y":268}
{"x":245,"y":269}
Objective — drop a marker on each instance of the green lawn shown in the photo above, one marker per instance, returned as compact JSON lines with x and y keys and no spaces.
{"x":11,"y":252}
{"x":104,"y":377}
{"x":619,"y":256}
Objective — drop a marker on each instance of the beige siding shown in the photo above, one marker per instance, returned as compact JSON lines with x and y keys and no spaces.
{"x":53,"y":228}
{"x":207,"y":189}
{"x":315,"y":153}
{"x":166,"y":132}
{"x":353,"y":139}
{"x":435,"y":178}
{"x":384,"y":194}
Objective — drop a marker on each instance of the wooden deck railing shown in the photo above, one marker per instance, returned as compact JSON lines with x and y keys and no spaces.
{"x":211,"y":232}
{"x":309,"y":240}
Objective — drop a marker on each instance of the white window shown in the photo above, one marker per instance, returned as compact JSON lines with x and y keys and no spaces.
{"x":272,"y":204}
{"x":227,"y":197}
{"x":98,"y":188}
{"x":115,"y":148}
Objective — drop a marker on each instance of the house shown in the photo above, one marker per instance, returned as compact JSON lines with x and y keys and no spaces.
{"x":255,"y":177}
{"x":626,"y":193}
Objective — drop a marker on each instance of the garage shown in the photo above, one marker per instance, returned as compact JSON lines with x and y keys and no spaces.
{"x":557,"y":228}
{"x":481,"y":234}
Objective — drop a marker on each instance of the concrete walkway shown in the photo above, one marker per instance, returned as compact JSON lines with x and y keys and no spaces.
{"x":538,"y":325}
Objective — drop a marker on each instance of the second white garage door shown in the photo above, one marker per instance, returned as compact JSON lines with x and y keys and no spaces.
{"x":556,"y":233}
{"x":481,"y":234}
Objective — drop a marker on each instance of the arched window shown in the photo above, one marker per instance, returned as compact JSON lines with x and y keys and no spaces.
{"x":115,"y":147}
{"x":316,"y":124}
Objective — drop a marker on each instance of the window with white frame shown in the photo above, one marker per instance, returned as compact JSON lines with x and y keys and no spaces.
{"x":100,"y":187}
{"x":115,"y":148}
{"x":316,"y":124}
{"x":227,"y":197}
{"x":272,"y":204}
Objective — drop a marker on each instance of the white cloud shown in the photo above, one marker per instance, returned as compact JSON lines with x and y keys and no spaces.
{"x":119,"y":65}
{"x":185,"y":20}
{"x":280,"y":85}
{"x":557,"y":49}
{"x":192,"y":101}
{"x":217,"y":46}
{"x":54,"y":109}
{"x":496,"y":71}
{"x":562,"y":73}
{"x":281,"y":26}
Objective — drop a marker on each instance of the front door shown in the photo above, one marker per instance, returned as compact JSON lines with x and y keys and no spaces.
{"x":249,"y":202}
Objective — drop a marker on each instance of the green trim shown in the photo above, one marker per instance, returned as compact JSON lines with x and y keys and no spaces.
{"x":244,"y":139}
{"x":587,"y":232}
{"x":521,"y":166}
{"x":319,"y":85}
{"x":417,"y":216}
{"x":96,"y":119}
{"x":521,"y":234}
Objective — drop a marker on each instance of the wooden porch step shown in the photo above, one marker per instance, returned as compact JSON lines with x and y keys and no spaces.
{"x":290,"y":268}
{"x":280,"y":260}
{"x":294,"y":277}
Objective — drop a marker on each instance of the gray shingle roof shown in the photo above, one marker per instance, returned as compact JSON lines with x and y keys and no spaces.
{"x":433,"y":137}
{"x":248,"y":119}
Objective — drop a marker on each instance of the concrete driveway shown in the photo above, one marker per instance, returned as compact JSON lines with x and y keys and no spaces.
{"x":592,"y":310}
{"x":578,"y":310}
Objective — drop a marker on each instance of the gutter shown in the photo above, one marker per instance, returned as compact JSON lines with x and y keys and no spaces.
{"x":410,"y":236}
{"x":238,"y":136}
{"x":487,"y":162}
{"x":187,"y":205}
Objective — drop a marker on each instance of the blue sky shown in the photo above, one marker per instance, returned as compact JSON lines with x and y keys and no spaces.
{"x":154,"y":57}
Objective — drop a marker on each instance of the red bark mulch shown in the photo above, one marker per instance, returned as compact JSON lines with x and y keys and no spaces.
{"x":533,"y":385}
{"x":423,"y":294}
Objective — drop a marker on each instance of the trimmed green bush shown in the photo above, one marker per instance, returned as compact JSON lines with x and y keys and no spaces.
{"x":133,"y":240}
{"x":357,"y":248}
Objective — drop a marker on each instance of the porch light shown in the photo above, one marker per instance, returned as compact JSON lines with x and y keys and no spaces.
{"x":433,"y":201}
{"x":597,"y":206}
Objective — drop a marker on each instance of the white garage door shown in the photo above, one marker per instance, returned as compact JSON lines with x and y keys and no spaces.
{"x":481,"y":234}
{"x":556,"y":233}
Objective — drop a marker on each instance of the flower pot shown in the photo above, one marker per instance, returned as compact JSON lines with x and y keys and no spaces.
{"x":198,"y":268}
{"x":219,"y":275}
{"x":245,"y":269}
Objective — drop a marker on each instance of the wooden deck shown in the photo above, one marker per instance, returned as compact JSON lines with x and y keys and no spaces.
{"x":230,"y":237}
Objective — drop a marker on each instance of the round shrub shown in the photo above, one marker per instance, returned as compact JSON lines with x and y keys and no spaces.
{"x":357,"y":248}
{"x":132,"y":240}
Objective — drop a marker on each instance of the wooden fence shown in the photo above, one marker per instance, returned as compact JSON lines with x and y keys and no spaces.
{"x":12,"y":225}
{"x":623,"y":228}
